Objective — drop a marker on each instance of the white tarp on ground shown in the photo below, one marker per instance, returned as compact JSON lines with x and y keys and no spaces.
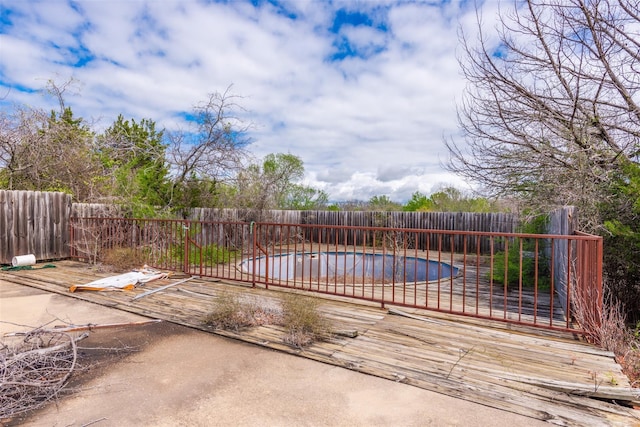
{"x":124,"y":281}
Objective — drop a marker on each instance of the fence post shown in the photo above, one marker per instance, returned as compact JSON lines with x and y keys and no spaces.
{"x":254,"y":243}
{"x":599,"y":284}
{"x":71,"y":242}
{"x":185,"y":227}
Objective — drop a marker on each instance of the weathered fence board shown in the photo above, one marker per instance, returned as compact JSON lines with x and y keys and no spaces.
{"x":562,"y":222}
{"x":95,"y":210}
{"x":245,"y":215}
{"x":34,"y":222}
{"x":458,"y":221}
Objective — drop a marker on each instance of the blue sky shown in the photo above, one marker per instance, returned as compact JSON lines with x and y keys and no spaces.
{"x":362,"y":91}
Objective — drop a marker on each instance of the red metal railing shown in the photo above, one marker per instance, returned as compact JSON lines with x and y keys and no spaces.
{"x":546,"y":281}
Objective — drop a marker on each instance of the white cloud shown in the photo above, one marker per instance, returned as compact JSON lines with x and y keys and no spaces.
{"x":365,"y":125}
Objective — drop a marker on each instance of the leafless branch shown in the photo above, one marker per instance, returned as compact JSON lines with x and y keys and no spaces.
{"x":551,"y":109}
{"x":216,"y":144}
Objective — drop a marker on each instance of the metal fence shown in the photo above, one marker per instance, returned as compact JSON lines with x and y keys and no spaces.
{"x":516,"y":281}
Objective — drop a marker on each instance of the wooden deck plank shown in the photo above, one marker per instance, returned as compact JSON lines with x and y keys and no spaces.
{"x":530,"y":374}
{"x":512,"y":347}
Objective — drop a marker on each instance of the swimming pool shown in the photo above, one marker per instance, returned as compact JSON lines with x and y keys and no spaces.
{"x":373,"y":267}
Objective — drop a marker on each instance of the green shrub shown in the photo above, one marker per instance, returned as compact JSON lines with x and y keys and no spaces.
{"x":211,"y":255}
{"x":530,"y":247}
{"x":214,"y":254}
{"x":512,"y":266}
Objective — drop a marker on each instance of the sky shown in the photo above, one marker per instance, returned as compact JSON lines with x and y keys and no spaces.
{"x":364,"y":92}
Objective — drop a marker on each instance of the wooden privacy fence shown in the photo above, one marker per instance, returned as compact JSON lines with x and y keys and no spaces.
{"x":514,"y":282}
{"x":368,"y":220}
{"x":37,"y":222}
{"x":33,"y":222}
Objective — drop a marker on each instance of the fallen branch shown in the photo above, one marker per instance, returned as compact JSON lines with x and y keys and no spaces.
{"x":45,"y":350}
{"x":93,"y":326}
{"x":95,"y":421}
{"x":33,"y":371}
{"x":87,"y":327}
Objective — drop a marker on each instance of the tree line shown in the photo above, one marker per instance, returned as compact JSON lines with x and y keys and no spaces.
{"x":149,"y":171}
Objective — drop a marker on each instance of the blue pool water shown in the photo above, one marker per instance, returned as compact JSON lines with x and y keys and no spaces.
{"x":374,"y":267}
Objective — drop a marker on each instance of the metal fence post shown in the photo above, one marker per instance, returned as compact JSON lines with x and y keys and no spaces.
{"x":599,"y":277}
{"x":185,"y":251}
{"x":254,"y":244}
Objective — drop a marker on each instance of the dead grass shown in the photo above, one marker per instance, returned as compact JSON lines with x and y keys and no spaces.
{"x":616,"y":337}
{"x":303,"y":321}
{"x":611,"y":333}
{"x":230,"y":312}
{"x":123,"y":259}
{"x":299,"y":315}
{"x":627,"y":351}
{"x":630,"y":362}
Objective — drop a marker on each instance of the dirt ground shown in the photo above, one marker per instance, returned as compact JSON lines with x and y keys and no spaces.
{"x":167,"y":375}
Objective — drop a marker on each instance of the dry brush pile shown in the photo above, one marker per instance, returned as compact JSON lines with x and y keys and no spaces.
{"x":34,"y":367}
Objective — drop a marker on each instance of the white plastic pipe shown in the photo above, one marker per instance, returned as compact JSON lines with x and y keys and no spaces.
{"x":21,"y":260}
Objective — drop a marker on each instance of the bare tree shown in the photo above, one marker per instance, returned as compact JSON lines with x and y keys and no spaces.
{"x":551,"y":110}
{"x":48,"y":152}
{"x":268,"y":185}
{"x":552,"y":115}
{"x":18,"y":134}
{"x":215,"y":148}
{"x":57,"y":89}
